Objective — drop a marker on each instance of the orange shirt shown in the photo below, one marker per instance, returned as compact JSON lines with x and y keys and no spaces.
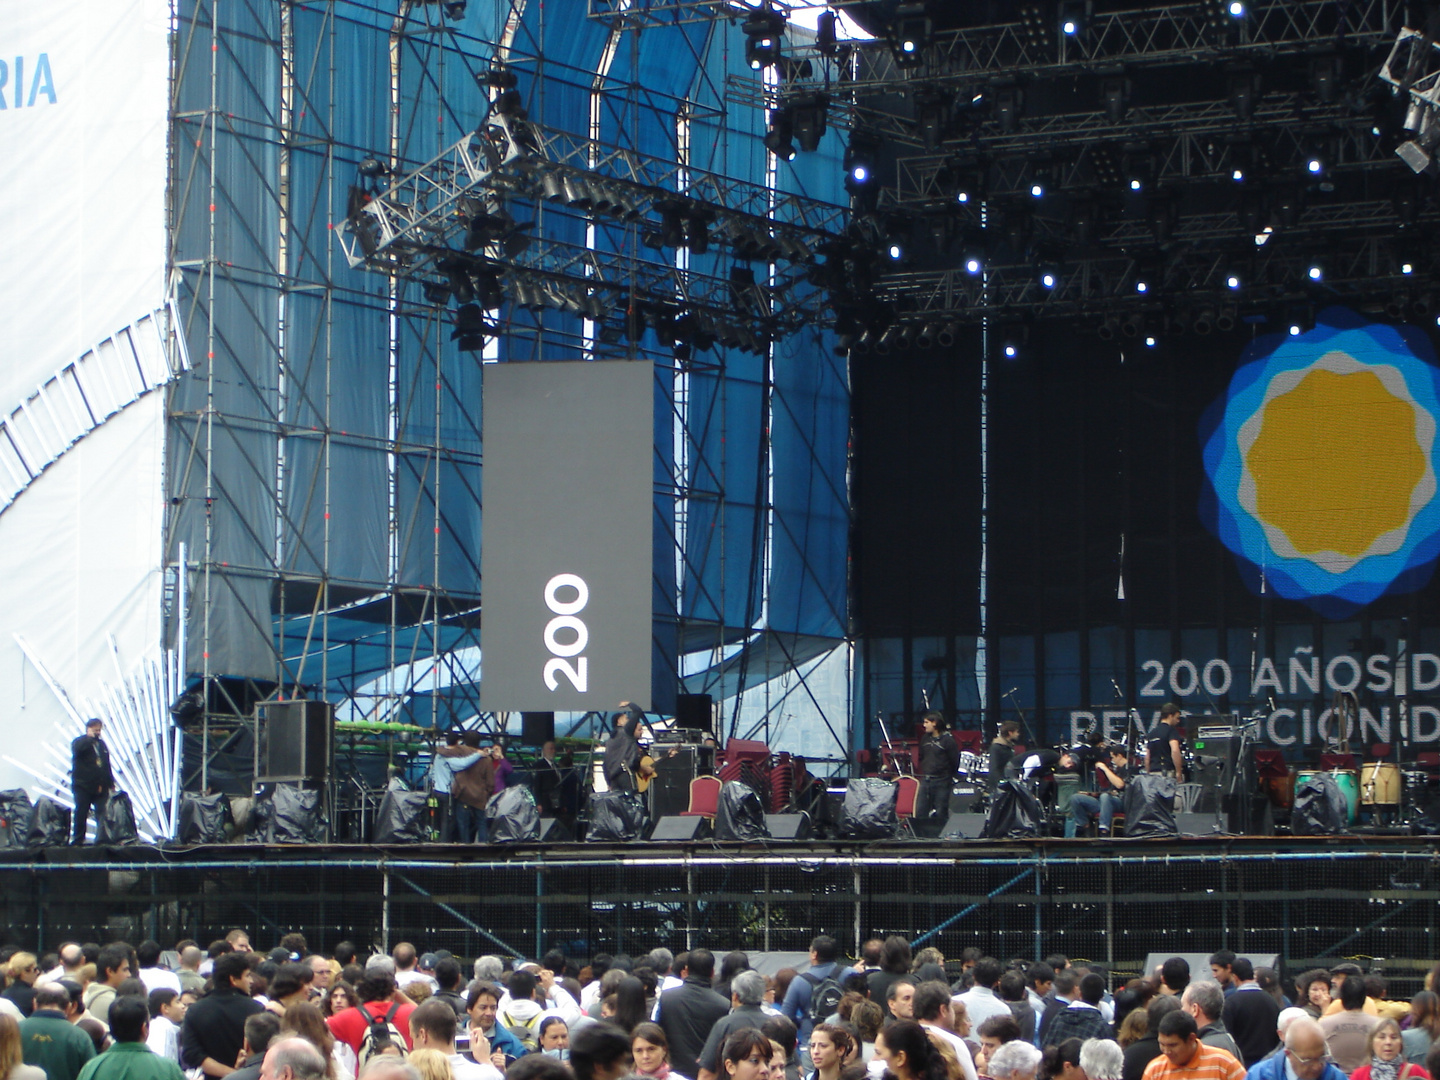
{"x":1208,"y":1063}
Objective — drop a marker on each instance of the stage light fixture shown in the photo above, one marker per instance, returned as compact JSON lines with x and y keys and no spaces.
{"x":1295,"y":330}
{"x":1072,"y":17}
{"x":372,"y":168}
{"x":808,"y":117}
{"x":1136,"y":184}
{"x":1241,"y":86}
{"x":1237,"y":174}
{"x":1204,"y":321}
{"x":763,"y":30}
{"x":1035,"y":26}
{"x":826,"y":36}
{"x":1037,"y":190}
{"x":1115,"y":92}
{"x":1133,"y":325}
{"x":911,"y":35}
{"x":437,"y":293}
{"x":1109,"y":327}
{"x":697,"y":230}
{"x":779,"y":140}
{"x":1047,"y":279}
{"x":1407,"y":268}
{"x":1315,"y":273}
{"x":925,"y":336}
{"x":1141,"y":285}
{"x":932,"y":116}
{"x":1008,"y":106}
{"x":1225,"y":319}
{"x":470,"y":328}
{"x":1314,"y":165}
{"x":1150,"y":341}
{"x":1232,"y":282}
{"x":947,"y":335}
{"x":896,"y":251}
{"x":974,"y":264}
{"x":1011,"y":350}
{"x":454,"y":9}
{"x":1236,"y":9}
{"x":1419,"y":151}
{"x":859,"y":163}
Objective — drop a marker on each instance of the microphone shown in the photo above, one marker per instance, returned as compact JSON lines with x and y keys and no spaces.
{"x":1010,"y":691}
{"x":1116,"y":685}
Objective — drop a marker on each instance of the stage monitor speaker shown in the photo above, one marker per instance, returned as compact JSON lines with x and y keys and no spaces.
{"x":536,"y":728}
{"x":670,"y":791}
{"x":675,"y":828}
{"x":1197,"y":825}
{"x":554,"y":831}
{"x":789,"y":826}
{"x":295,"y":741}
{"x":963,"y":826}
{"x":694,"y":712}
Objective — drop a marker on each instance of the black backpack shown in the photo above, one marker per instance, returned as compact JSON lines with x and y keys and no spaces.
{"x":824,"y":997}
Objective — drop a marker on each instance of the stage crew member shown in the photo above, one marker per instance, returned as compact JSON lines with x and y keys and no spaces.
{"x":91,"y":780}
{"x":1163,"y":750}
{"x":939,"y":758}
{"x":1002,"y":750}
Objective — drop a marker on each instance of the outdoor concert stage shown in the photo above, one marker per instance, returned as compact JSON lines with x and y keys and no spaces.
{"x":1112,"y":902}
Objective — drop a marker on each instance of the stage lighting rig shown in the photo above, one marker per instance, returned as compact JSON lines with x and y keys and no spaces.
{"x":471,"y":329}
{"x":764,"y":29}
{"x":780,"y":139}
{"x":932,"y":115}
{"x":1413,"y":68}
{"x":859,"y":163}
{"x":809,"y":113}
{"x":911,"y":35}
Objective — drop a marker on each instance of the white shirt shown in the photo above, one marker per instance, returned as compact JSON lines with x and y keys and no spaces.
{"x":462,"y":1068}
{"x":158,"y":978}
{"x":9,"y":1008}
{"x":405,"y":978}
{"x":962,"y":1051}
{"x":981,"y":1004}
{"x":164,"y":1039}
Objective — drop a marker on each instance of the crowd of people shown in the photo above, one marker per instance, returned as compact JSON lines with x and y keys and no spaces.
{"x":118,"y":1012}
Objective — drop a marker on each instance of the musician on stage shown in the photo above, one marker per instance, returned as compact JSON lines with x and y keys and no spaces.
{"x":91,"y":779}
{"x":1085,"y":806}
{"x":939,"y":758}
{"x":1001,"y":751}
{"x":622,"y":750}
{"x":1163,"y":751}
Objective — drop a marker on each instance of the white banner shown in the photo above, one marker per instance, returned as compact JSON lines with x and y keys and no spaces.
{"x":83,"y":99}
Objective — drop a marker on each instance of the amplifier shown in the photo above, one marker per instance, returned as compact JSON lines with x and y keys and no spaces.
{"x":670,"y":791}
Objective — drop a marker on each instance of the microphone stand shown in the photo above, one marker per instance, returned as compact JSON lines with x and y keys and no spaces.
{"x":1024,"y":723}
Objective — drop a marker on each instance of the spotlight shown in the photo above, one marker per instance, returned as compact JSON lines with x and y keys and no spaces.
{"x":372,"y":168}
{"x":437,"y":293}
{"x":1315,"y":273}
{"x":1011,"y":350}
{"x":1047,"y":279}
{"x":1108,"y":328}
{"x":1232,"y":282}
{"x":1314,"y":166}
{"x":1069,"y":27}
{"x":925,"y":336}
{"x":859,"y":163}
{"x":763,"y":30}
{"x":932,"y":116}
{"x":912,"y":31}
{"x":1150,"y":341}
{"x":808,"y":114}
{"x":962,"y":196}
{"x":947,"y":335}
{"x":973,"y":264}
{"x":826,"y":38}
{"x":1236,"y":9}
{"x":778,"y":140}
{"x":1237,"y":174}
{"x":1136,"y":184}
{"x":1142,"y":286}
{"x":1072,"y":17}
{"x":1407,"y":268}
{"x":454,"y":9}
{"x":470,"y":328}
{"x":895,"y":251}
{"x":1115,"y":93}
{"x":1037,"y":191}
{"x":1295,"y":330}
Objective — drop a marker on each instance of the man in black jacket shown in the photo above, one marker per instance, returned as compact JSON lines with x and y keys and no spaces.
{"x":213,"y":1032}
{"x":687,"y":1012}
{"x":91,"y":780}
{"x":939,"y":757}
{"x":1250,"y":1014}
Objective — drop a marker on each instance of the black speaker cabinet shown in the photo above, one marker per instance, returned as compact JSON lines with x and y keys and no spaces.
{"x":681,"y":829}
{"x":296,"y":739}
{"x":789,"y":826}
{"x":536,"y":728}
{"x":670,"y":790}
{"x":1197,"y":825}
{"x":963,"y":826}
{"x":555,"y":831}
{"x":694,"y":712}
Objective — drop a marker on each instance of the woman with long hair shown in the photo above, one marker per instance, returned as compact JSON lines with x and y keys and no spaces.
{"x":630,"y":1009}
{"x":1313,"y":992}
{"x":12,"y":1061}
{"x":867,"y":1018}
{"x":1424,"y":1026}
{"x":746,"y":1056}
{"x":952,"y":1060}
{"x":652,"y":1052}
{"x":431,"y":1064}
{"x":308,"y":1022}
{"x":830,"y":1045}
{"x":341,"y":997}
{"x":895,"y":961}
{"x":1387,"y":1062}
{"x":1133,"y":1028}
{"x":908,"y":1054}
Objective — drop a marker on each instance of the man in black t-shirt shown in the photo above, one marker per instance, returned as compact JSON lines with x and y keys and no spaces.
{"x":1085,"y":806}
{"x":1001,"y":751}
{"x":1162,"y":752}
{"x":939,"y":757}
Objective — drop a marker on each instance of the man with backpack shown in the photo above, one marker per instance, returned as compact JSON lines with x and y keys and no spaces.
{"x":381,"y":1022}
{"x":814,"y":994}
{"x":687,"y":1012}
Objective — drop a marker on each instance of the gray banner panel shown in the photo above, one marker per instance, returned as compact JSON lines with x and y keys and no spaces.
{"x":565,"y":564}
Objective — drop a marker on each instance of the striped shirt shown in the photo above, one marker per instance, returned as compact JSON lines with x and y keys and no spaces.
{"x":1207,"y":1064}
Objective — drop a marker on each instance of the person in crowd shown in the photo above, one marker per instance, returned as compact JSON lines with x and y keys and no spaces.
{"x":341,"y":997}
{"x":306,"y":1020}
{"x":993,"y":1034}
{"x":451,"y":988}
{"x":129,"y":1058}
{"x":895,"y":957}
{"x":555,"y":1037}
{"x":631,"y":1007}
{"x":731,"y":965}
{"x":601,"y":1051}
{"x":48,"y":1037}
{"x":1204,"y":1000}
{"x":261,"y":1029}
{"x":1184,"y":1057}
{"x":934,"y":1011}
{"x":432,"y":1027}
{"x":687,"y":1012}
{"x":1347,"y":1032}
{"x":782,"y":1032}
{"x":866,"y":1018}
{"x":801,"y":993}
{"x":167,"y":1013}
{"x":1016,"y":1060}
{"x":980,"y":1000}
{"x":1304,"y":1056}
{"x":430,"y":1064}
{"x":1174,"y":975}
{"x":1133,"y":1028}
{"x":1101,"y":1059}
{"x":651,"y":1050}
{"x":1385,"y":1051}
{"x":152,"y":973}
{"x":22,"y":971}
{"x":293,"y":1059}
{"x":900,"y":999}
{"x":1013,"y":992}
{"x":830,"y":1044}
{"x":378,"y":999}
{"x":747,"y":990}
{"x":1061,"y":1061}
{"x":1222,"y":970}
{"x":112,"y":967}
{"x":214,"y":1029}
{"x":1146,"y":1049}
{"x":1312,"y":992}
{"x":1082,"y":1018}
{"x":482,"y":1007}
{"x":1424,"y":1026}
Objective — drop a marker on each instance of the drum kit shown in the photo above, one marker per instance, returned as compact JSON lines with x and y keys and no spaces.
{"x":1376,"y":789}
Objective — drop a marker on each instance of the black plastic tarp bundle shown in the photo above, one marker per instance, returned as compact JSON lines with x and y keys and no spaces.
{"x":514,"y":816}
{"x":1015,"y":812}
{"x":739,"y":814}
{"x":49,"y":824}
{"x":15,"y":811}
{"x":116,"y":823}
{"x":1150,"y":807}
{"x":1320,"y":808}
{"x":615,"y":816}
{"x":402,"y":818}
{"x":288,"y":815}
{"x":869,"y":810}
{"x":202,"y":819}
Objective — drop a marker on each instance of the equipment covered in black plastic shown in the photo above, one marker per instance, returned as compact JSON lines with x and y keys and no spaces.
{"x":401,"y":818}
{"x":288,"y":815}
{"x":1015,"y":812}
{"x":1150,"y":807}
{"x":615,"y":816}
{"x":869,"y":810}
{"x":739,"y":814}
{"x":514,"y":816}
{"x":202,"y":819}
{"x":115,"y":824}
{"x":1320,"y":808}
{"x":49,"y":824}
{"x":15,"y":811}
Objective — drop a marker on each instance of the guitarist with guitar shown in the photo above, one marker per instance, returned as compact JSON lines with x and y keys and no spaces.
{"x":622,"y":750}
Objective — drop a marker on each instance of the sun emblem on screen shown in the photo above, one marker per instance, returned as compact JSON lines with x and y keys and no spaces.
{"x":1320,"y":462}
